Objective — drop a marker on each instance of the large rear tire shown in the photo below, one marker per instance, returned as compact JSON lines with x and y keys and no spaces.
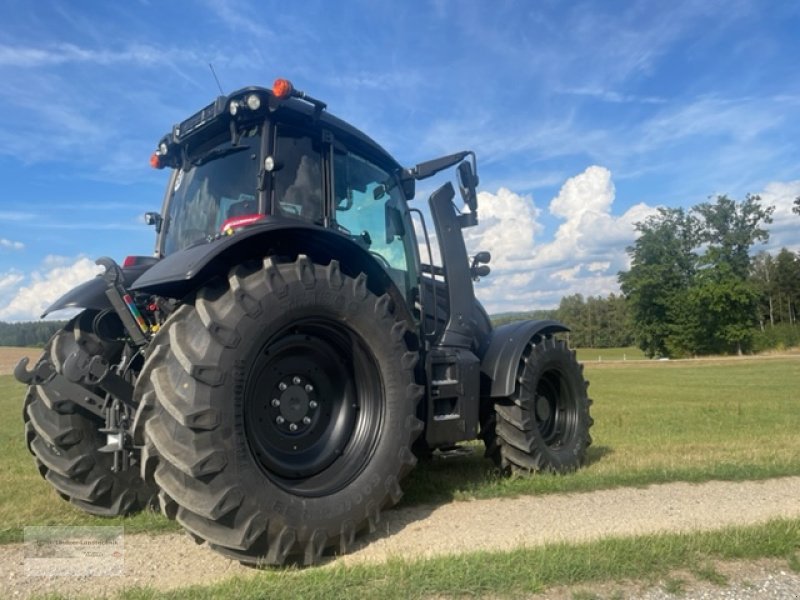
{"x":544,"y":425}
{"x":279,"y":411}
{"x":65,"y":439}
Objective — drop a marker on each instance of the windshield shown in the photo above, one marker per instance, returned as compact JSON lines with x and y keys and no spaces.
{"x":217,"y":183}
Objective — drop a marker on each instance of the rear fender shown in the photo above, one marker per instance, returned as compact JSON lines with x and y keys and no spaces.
{"x":504,"y":351}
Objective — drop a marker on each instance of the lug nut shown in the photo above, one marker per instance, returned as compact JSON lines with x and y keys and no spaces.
{"x":292,"y":426}
{"x":309,"y":388}
{"x":282,"y":386}
{"x":312,"y":404}
{"x":306,"y":420}
{"x":276,"y":403}
{"x":279,"y":420}
{"x":296,"y":380}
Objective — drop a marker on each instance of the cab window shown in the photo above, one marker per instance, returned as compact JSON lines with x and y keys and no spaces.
{"x":369,"y":207}
{"x":297,"y":183}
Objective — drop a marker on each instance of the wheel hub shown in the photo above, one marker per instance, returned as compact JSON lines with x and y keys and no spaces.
{"x":312,"y":406}
{"x":542,"y":408}
{"x":295,"y":404}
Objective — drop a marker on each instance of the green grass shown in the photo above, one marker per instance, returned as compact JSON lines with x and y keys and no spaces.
{"x":654,"y":422}
{"x":658,"y":422}
{"x":519,"y":573}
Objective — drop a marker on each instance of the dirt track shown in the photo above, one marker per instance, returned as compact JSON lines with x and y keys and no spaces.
{"x":170,"y":561}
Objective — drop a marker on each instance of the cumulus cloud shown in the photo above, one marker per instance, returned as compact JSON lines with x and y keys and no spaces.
{"x":508,"y":227}
{"x":25,"y":297}
{"x":584,"y":256}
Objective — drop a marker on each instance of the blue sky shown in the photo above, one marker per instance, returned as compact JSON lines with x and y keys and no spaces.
{"x":584,"y":116}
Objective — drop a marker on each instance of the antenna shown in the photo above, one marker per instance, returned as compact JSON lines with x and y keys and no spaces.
{"x":214,"y":73}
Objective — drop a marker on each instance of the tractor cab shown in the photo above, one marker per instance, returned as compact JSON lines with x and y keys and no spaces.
{"x":260,"y":156}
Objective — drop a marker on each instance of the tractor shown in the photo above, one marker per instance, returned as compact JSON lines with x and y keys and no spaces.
{"x":272,"y":373}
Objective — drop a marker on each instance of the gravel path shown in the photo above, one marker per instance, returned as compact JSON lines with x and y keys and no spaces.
{"x":169,"y":561}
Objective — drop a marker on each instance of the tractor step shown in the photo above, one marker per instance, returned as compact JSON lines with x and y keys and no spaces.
{"x":453,"y":396}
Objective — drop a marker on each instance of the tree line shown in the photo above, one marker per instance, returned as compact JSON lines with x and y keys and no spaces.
{"x":29,"y":333}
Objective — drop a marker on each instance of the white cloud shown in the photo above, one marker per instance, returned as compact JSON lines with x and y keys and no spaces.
{"x":590,"y":234}
{"x":30,"y":57}
{"x":11,"y":245}
{"x":584,"y":257}
{"x":9,"y":281}
{"x":508,"y":226}
{"x":785,"y":223}
{"x":24,"y":298}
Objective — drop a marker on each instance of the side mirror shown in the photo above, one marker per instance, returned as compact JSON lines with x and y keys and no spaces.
{"x":154,"y":218}
{"x":467,"y":182}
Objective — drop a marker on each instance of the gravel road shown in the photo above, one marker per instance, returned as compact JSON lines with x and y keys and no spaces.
{"x":169,"y":561}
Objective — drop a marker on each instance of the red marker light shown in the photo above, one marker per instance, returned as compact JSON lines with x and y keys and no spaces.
{"x":282,"y":88}
{"x":229,"y":226}
{"x":155,"y":161}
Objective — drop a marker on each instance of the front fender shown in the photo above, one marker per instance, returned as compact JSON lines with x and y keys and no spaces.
{"x":504,"y":351}
{"x":92,"y":294}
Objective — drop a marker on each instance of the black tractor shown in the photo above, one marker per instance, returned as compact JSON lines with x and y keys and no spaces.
{"x":276,"y":369}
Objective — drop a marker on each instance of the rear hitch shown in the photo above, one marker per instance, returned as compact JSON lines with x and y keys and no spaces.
{"x":95,"y":371}
{"x":42,"y":372}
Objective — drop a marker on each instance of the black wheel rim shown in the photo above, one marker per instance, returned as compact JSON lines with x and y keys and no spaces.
{"x":313,"y":407}
{"x":555,"y":409}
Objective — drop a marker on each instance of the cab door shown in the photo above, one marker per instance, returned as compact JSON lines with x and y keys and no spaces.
{"x":370,"y":207}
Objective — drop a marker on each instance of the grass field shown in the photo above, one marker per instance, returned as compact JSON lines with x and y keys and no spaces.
{"x":654,"y":422}
{"x":657,"y":422}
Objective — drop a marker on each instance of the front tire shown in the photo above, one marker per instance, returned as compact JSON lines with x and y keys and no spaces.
{"x":544,"y":425}
{"x":65,"y":439}
{"x":281,"y":411}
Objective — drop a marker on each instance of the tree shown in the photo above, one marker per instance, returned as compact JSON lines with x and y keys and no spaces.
{"x":726,"y":296}
{"x":763,"y":276}
{"x":663,"y":266}
{"x":796,"y":207}
{"x":689,"y":286}
{"x":787,"y":282}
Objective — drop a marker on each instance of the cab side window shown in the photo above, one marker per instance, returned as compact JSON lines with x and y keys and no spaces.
{"x":297,"y":183}
{"x":365,"y":202}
